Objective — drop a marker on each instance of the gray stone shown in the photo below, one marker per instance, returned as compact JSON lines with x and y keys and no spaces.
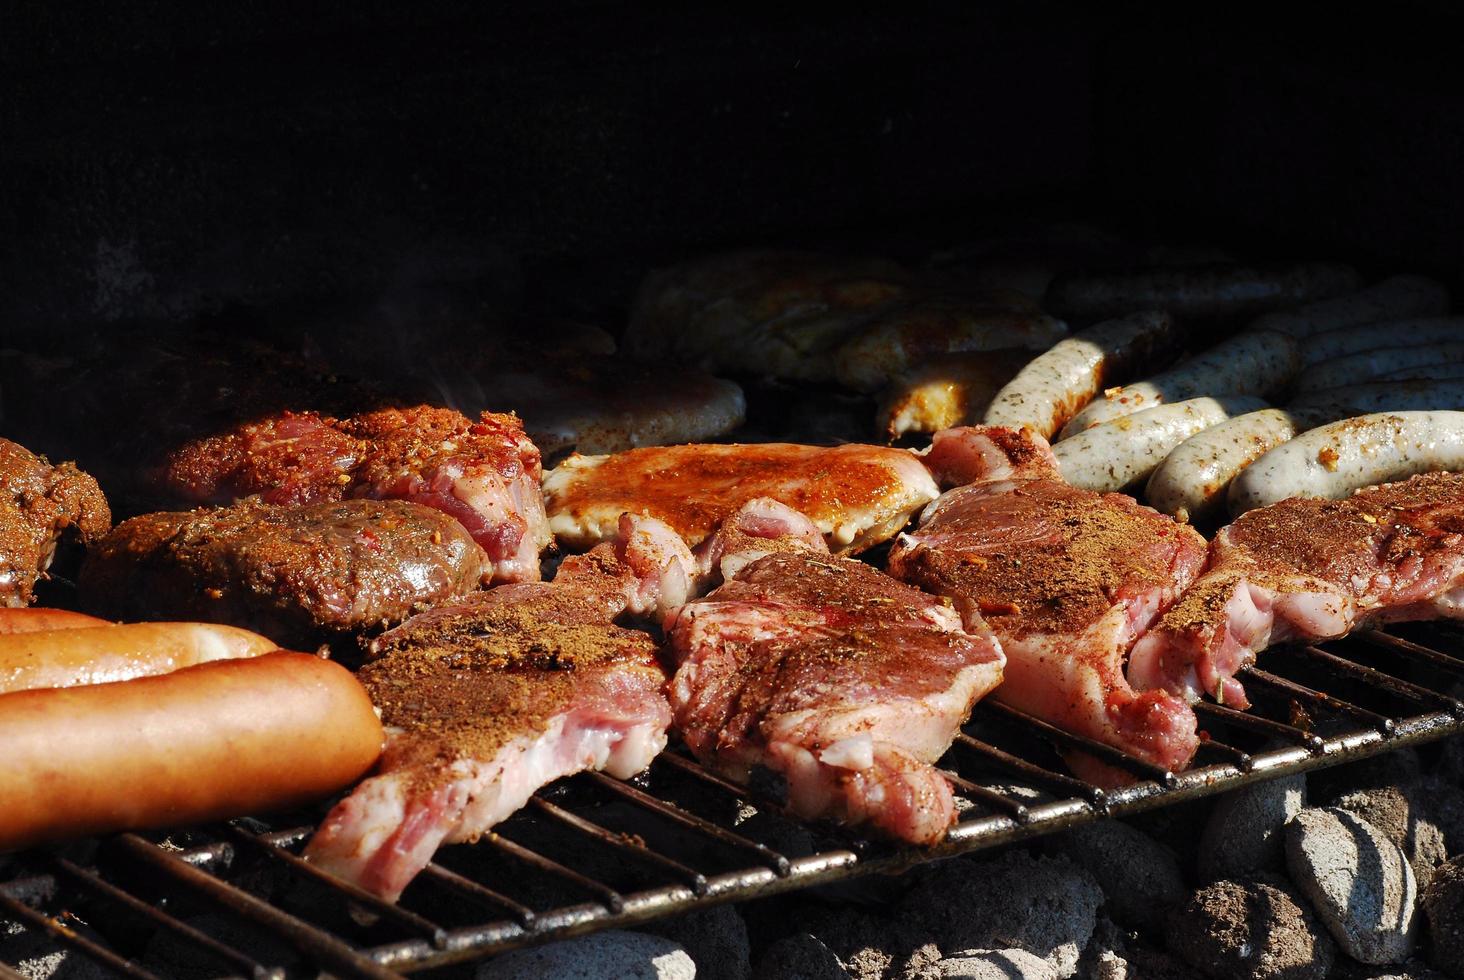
{"x":1140,"y":877}
{"x":1108,"y":965}
{"x":39,"y":957}
{"x":1256,"y":929}
{"x":1403,"y":813}
{"x":1045,"y":905}
{"x":800,"y":957}
{"x":1243,"y":833}
{"x":610,"y":955}
{"x":716,"y":939}
{"x":1412,"y":970}
{"x":1445,"y":801}
{"x":1443,"y":906}
{"x":867,"y":945}
{"x":1359,"y":882}
{"x":995,"y":964}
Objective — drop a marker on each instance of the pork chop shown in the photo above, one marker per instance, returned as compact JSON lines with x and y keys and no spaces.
{"x":39,"y":505}
{"x":1065,"y":579}
{"x":827,"y":672}
{"x":485,"y":473}
{"x":856,"y":495}
{"x":1309,"y":569}
{"x":491,"y":697}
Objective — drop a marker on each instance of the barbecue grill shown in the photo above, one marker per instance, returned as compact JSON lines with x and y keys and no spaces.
{"x":592,"y":852}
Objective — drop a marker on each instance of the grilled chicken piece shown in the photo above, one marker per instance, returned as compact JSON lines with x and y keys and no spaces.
{"x":489,"y":698}
{"x":825,"y":671}
{"x":300,"y":575}
{"x":856,"y":495}
{"x":764,"y":313}
{"x":484,"y":473}
{"x":937,"y":326}
{"x":1308,"y":569}
{"x":947,"y":391}
{"x":39,"y":505}
{"x":1065,"y":579}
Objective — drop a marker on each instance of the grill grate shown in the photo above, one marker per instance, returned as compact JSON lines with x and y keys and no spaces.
{"x":591,"y":852}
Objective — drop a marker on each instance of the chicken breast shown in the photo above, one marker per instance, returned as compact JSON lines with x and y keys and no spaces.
{"x":856,"y":495}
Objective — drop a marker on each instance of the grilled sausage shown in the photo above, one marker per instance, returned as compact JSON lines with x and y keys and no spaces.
{"x":1392,"y":299}
{"x":1382,"y":396}
{"x":1392,"y":333}
{"x":1367,"y":365}
{"x":948,"y":391}
{"x":203,"y":743}
{"x":69,"y":657}
{"x":1249,"y":364}
{"x":1333,"y":460}
{"x":1191,"y":483}
{"x":1054,"y":386}
{"x":31,"y":619}
{"x":1117,"y":454}
{"x":1427,"y":372}
{"x":1223,"y":290}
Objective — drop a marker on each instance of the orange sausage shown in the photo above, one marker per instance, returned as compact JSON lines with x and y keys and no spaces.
{"x":204,"y":743}
{"x":31,"y":619}
{"x":68,"y":657}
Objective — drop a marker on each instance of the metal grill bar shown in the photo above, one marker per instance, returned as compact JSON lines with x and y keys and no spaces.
{"x":681,"y":796}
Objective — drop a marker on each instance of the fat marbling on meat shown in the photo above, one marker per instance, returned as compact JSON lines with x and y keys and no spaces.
{"x":1309,"y":569}
{"x":828,"y":673}
{"x":1066,"y":580}
{"x":485,"y":473}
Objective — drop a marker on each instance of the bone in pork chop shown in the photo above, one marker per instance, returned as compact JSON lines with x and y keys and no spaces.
{"x":1309,"y":569}
{"x":857,"y":496}
{"x":484,"y":473}
{"x":489,"y":698}
{"x":827,"y":672}
{"x":300,"y":575}
{"x":1065,"y":579}
{"x":39,"y":505}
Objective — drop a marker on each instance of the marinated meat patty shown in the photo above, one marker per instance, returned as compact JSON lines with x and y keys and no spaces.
{"x":297,"y":574}
{"x":39,"y":505}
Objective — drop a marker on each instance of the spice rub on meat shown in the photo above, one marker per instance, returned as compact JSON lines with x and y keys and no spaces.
{"x":491,"y":697}
{"x":40,"y":504}
{"x":485,"y":473}
{"x":830,"y":674}
{"x":1309,"y":569}
{"x":856,"y":495}
{"x":299,"y":575}
{"x":1066,"y":580}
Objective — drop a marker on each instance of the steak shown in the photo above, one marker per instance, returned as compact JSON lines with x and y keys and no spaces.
{"x":1065,"y":579}
{"x":484,"y":473}
{"x":1307,"y":569}
{"x":41,"y":504}
{"x":299,"y":575}
{"x":491,"y":697}
{"x":827,"y":673}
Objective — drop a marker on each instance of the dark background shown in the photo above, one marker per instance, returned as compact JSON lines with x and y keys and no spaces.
{"x":158,"y":166}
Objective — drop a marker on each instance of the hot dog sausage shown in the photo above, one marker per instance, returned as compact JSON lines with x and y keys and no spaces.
{"x":1054,"y":386}
{"x":31,"y":619}
{"x":1224,"y":290}
{"x":69,"y":657}
{"x":207,"y":742}
{"x":1333,"y":460}
{"x":1191,"y":483}
{"x":1392,"y":333}
{"x":1116,"y":454}
{"x":1392,"y":299}
{"x":1358,"y":368}
{"x":1249,"y":364}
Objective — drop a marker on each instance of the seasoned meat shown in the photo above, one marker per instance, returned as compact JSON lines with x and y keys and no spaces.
{"x":39,"y":505}
{"x":856,"y":495}
{"x":1066,"y":579}
{"x":484,"y":473}
{"x":297,"y":574}
{"x":491,"y":697}
{"x":1309,"y":569}
{"x":825,"y":671}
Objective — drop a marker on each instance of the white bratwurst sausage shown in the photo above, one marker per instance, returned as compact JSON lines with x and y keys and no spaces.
{"x":1055,"y":385}
{"x":1117,"y":454}
{"x":1381,"y":396}
{"x":1192,"y":481}
{"x":1370,"y":364}
{"x":1249,"y":364}
{"x":1390,"y":333}
{"x":1222,"y":290}
{"x":1333,"y":460}
{"x":1391,"y":299}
